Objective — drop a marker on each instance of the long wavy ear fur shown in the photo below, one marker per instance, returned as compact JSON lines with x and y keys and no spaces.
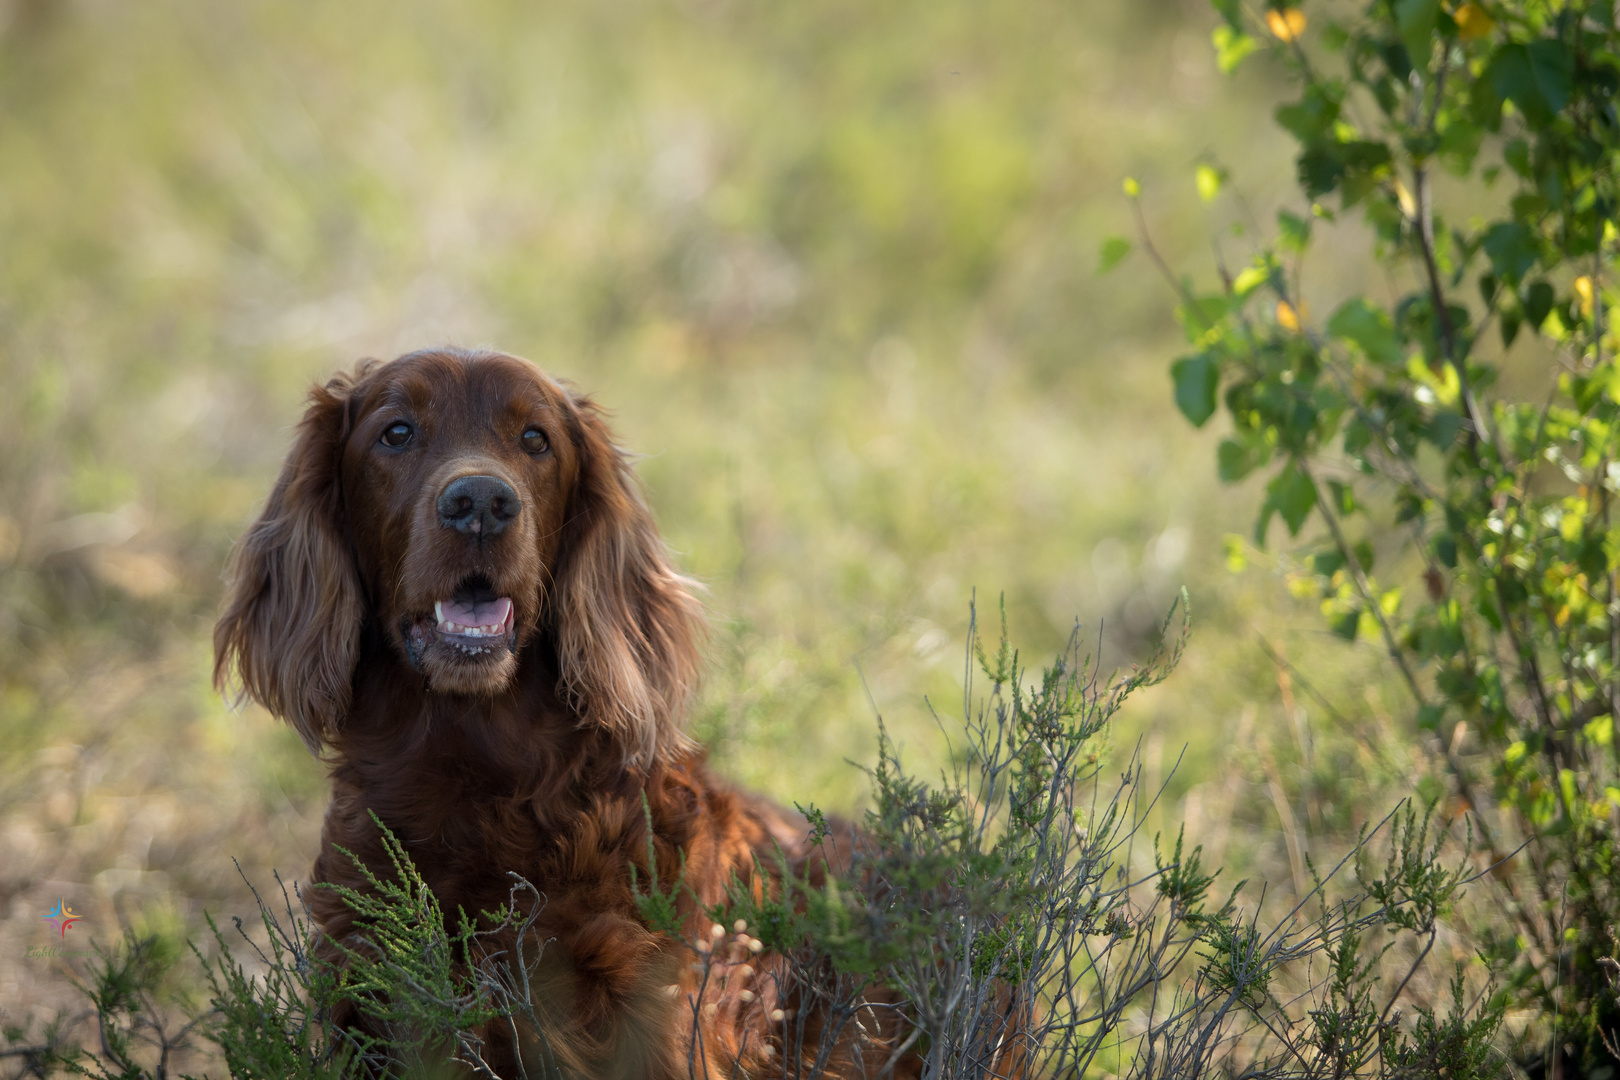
{"x":290,"y":626}
{"x":627,"y":625}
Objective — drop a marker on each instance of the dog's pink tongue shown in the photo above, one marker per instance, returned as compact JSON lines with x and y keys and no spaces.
{"x":487,"y":613}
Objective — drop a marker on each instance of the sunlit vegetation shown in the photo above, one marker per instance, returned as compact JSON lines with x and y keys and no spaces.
{"x":832,"y":266}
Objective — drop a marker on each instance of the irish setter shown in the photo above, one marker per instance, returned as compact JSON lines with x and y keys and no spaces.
{"x":456,"y":594}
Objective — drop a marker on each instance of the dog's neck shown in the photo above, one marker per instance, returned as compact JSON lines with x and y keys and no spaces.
{"x":525,"y":744}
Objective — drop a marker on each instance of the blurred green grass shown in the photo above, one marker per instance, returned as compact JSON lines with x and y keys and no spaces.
{"x":830,"y":265}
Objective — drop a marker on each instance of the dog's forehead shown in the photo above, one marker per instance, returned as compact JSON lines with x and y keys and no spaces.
{"x":468,"y":384}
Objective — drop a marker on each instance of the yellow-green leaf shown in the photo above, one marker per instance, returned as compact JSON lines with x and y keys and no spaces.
{"x":1250,"y":279}
{"x":1113,"y":252}
{"x":1601,"y":730}
{"x":1231,"y":46}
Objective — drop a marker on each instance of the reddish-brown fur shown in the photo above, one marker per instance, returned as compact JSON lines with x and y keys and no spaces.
{"x":548,"y":757}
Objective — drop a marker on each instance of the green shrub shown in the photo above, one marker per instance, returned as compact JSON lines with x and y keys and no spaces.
{"x":1464,"y":502}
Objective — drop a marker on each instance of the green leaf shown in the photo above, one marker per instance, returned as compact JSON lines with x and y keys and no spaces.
{"x":1536,"y":77}
{"x":1485,"y":109}
{"x":1369,"y":328}
{"x":1323,"y":166}
{"x":1512,"y":79}
{"x":1416,"y":20}
{"x":1203,"y":314}
{"x":1113,"y":252}
{"x":1459,"y":144}
{"x":1444,"y":427}
{"x":1197,"y":378}
{"x":1294,"y":231}
{"x":1249,"y":279}
{"x":1311,"y":118}
{"x":1327,"y":563}
{"x":1538,"y":301}
{"x":1445,"y":550}
{"x":1231,"y":11}
{"x":1516,"y":152}
{"x":1528,"y":205}
{"x":1511,"y":321}
{"x":1429,"y":717}
{"x":1600,"y":731}
{"x":1231,"y":46}
{"x":1292,"y":495}
{"x":1553,"y":68}
{"x":1364,"y":155}
{"x":1319,"y":171}
{"x":1512,"y":250}
{"x":1234,"y":461}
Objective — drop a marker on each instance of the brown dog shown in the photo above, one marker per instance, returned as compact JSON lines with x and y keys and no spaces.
{"x":457,"y":595}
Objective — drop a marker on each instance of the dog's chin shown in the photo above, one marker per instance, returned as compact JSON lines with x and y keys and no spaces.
{"x":449,"y":671}
{"x":455,"y":664}
{"x":467,"y":645}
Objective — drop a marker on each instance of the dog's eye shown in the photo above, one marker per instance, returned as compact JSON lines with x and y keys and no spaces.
{"x":535,"y":441}
{"x":396,"y":435}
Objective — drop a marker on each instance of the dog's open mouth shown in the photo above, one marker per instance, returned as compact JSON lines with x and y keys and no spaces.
{"x":472,"y":623}
{"x":474,"y":618}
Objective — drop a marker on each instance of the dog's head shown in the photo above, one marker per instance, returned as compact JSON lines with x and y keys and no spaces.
{"x":463,"y":504}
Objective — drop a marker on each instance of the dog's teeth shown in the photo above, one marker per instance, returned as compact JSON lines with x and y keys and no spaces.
{"x":447,"y":626}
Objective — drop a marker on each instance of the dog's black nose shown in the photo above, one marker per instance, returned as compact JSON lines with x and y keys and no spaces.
{"x":478,"y":505}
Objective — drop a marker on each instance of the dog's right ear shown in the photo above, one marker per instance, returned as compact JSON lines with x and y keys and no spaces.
{"x":290,"y":626}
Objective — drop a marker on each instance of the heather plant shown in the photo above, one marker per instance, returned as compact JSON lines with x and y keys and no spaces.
{"x":1444,"y":457}
{"x":1317,"y":997}
{"x":144,"y":1021}
{"x":992,"y":913}
{"x":1002,"y":917}
{"x":1010,"y":917}
{"x":275,"y":1024}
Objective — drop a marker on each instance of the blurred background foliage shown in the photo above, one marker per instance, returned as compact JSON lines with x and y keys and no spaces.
{"x":832,"y":266}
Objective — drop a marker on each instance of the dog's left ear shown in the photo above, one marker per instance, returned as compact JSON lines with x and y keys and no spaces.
{"x":290,"y":626}
{"x":627,"y":625}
